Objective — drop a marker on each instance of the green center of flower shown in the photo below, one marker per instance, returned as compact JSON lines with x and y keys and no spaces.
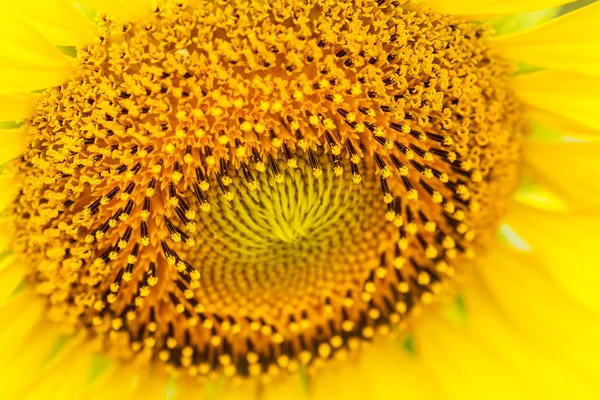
{"x":241,"y":187}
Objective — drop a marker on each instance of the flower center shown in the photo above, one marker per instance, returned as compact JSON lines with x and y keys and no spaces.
{"x":240,"y":187}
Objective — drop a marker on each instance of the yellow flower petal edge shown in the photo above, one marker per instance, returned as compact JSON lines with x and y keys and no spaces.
{"x":12,"y":144}
{"x":16,"y":106}
{"x":59,"y":21}
{"x":132,"y":382}
{"x":560,"y":123}
{"x":67,"y":381}
{"x":452,"y":354}
{"x":29,"y":355}
{"x":535,"y":195}
{"x":11,"y":277}
{"x":348,"y":383}
{"x":566,"y":245}
{"x":20,"y":315}
{"x":8,"y":183}
{"x":491,"y":7}
{"x":568,"y":169}
{"x":491,"y":353}
{"x":392,"y":370}
{"x":43,"y":361}
{"x":567,"y":94}
{"x":536,"y":304}
{"x":27,"y":60}
{"x":384,"y":371}
{"x":570,"y":43}
{"x":520,"y":22}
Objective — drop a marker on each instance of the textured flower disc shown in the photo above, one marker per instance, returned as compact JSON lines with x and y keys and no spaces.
{"x":241,"y":187}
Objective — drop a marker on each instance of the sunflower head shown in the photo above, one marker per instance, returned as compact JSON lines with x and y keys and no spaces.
{"x":243,"y":187}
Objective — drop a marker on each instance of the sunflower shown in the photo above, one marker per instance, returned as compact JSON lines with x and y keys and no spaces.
{"x":361,"y":199}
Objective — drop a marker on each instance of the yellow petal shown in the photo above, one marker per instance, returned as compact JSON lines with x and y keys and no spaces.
{"x":490,"y":7}
{"x":343,"y":380}
{"x":21,"y":314}
{"x":155,"y":389}
{"x":34,"y":348}
{"x":124,"y":379}
{"x":12,"y":145}
{"x":27,"y":60}
{"x":538,"y":371}
{"x":570,"y":43}
{"x":124,"y":9}
{"x":29,"y":354}
{"x":517,"y":23}
{"x":570,"y":95}
{"x":59,"y":21}
{"x":8,"y":193}
{"x":465,"y":367}
{"x":11,"y":276}
{"x":535,"y":195}
{"x":16,"y":106}
{"x":569,"y":170}
{"x":539,"y":307}
{"x":289,"y":388}
{"x":560,"y":123}
{"x":28,"y":336}
{"x":7,"y":260}
{"x":395,"y":374}
{"x":66,"y":381}
{"x":566,"y":246}
{"x":227,"y":391}
{"x":4,"y":244}
{"x":36,"y":363}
